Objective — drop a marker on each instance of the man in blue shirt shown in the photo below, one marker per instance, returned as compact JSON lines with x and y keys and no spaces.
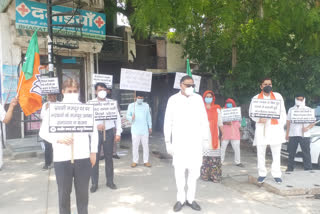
{"x":138,"y":114}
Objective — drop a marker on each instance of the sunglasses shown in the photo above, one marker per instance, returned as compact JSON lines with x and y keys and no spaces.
{"x":189,"y":85}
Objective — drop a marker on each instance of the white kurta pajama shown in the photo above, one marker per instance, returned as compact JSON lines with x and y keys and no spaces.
{"x":273,"y":135}
{"x":186,"y":127}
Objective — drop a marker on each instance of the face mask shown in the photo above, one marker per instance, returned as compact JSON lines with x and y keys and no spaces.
{"x":299,"y":103}
{"x":189,"y":91}
{"x":267,"y":89}
{"x":102,"y":94}
{"x":139,"y":101}
{"x":229,"y":105}
{"x":208,"y":100}
{"x":71,"y":97}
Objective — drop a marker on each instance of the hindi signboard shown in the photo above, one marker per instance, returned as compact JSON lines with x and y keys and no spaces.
{"x":49,"y":85}
{"x":104,"y":78}
{"x":196,"y":79}
{"x":263,"y":108}
{"x":31,"y":15}
{"x":303,"y":115}
{"x":135,"y":80}
{"x":231,"y":114}
{"x":105,"y":110}
{"x":71,"y":118}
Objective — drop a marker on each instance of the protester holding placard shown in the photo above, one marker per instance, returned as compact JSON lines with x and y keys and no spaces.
{"x":48,"y":152}
{"x":5,"y":117}
{"x":139,"y":115}
{"x":298,"y":133}
{"x":269,"y":131}
{"x":106,"y":139}
{"x":74,"y":155}
{"x":211,"y":165}
{"x":186,"y":128}
{"x":231,"y":133}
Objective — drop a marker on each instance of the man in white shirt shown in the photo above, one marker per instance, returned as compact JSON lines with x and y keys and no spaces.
{"x":186,"y":126}
{"x":106,"y":139}
{"x":84,"y":152}
{"x":298,"y":134}
{"x":269,"y":132}
{"x":5,"y":117}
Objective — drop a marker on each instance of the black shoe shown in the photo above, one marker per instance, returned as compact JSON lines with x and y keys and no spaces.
{"x":112,"y":186}
{"x":93,"y":188}
{"x":178,"y":206}
{"x":194,"y":205}
{"x":261,"y":179}
{"x":115,"y":156}
{"x":45,"y":167}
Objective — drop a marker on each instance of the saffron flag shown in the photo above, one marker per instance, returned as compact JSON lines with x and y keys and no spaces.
{"x":188,"y":68}
{"x":29,"y":88}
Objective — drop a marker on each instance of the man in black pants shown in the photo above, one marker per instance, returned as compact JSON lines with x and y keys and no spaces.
{"x":106,"y":139}
{"x":48,"y":152}
{"x":298,"y":134}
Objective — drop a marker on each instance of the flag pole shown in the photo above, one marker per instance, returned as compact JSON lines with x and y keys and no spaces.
{"x":20,"y":83}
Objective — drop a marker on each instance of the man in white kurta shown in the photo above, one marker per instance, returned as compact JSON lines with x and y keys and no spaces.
{"x":269,"y":133}
{"x":185,"y":128}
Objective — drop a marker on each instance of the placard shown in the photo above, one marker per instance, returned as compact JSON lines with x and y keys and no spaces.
{"x":231,"y":114}
{"x":49,"y":85}
{"x":263,"y":108}
{"x":104,"y":78}
{"x":303,"y":115}
{"x":135,"y":80}
{"x":196,"y":80}
{"x":106,"y":110}
{"x":71,"y":118}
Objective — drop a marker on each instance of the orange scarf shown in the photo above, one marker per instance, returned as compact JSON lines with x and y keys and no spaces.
{"x":273,"y":121}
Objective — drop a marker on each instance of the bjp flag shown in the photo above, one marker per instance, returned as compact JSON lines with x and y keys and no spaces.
{"x":29,"y":87}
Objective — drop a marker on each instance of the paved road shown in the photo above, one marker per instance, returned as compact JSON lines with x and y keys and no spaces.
{"x":25,"y":188}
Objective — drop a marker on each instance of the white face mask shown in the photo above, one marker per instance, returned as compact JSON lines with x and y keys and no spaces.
{"x":299,"y":103}
{"x":139,"y":101}
{"x":102,"y":94}
{"x":189,"y":91}
{"x":71,"y":97}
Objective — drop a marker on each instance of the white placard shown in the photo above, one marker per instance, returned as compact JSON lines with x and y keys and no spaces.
{"x":71,"y":118}
{"x":196,"y":80}
{"x":263,"y":108}
{"x":104,"y":78}
{"x":49,"y":85}
{"x":231,"y":114}
{"x":105,"y":110}
{"x":135,"y":80}
{"x":303,"y":115}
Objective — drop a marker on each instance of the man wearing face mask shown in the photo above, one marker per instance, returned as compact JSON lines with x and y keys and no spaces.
{"x":106,"y":139}
{"x":186,"y":126}
{"x":298,"y":134}
{"x":269,"y":132}
{"x":84,"y":154}
{"x":139,"y":115}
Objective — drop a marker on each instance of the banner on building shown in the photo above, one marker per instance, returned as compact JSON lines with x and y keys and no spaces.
{"x":104,"y":78}
{"x":179,"y":75}
{"x":303,"y":115}
{"x":70,"y":118}
{"x":231,"y":114}
{"x":49,"y":85}
{"x":32,"y":15}
{"x":263,"y":108}
{"x":9,"y":83}
{"x":135,"y":80}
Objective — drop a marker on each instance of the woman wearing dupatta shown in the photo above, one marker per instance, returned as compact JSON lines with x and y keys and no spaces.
{"x":211,"y":165}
